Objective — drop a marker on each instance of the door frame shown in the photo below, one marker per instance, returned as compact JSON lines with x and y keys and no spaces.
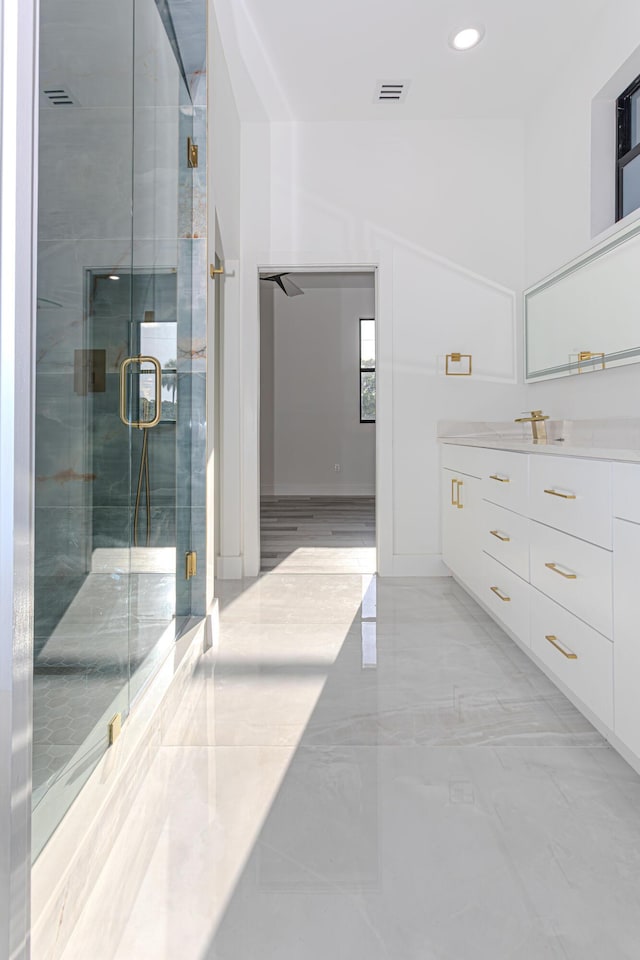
{"x":250,"y":518}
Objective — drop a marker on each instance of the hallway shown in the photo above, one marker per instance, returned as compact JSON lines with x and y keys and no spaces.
{"x":371,"y":770}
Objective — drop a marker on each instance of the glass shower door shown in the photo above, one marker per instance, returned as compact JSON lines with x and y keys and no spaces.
{"x":82,"y":605}
{"x":120,"y":381}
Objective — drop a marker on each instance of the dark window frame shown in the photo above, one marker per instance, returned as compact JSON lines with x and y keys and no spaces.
{"x":364,"y":369}
{"x":625,"y":152}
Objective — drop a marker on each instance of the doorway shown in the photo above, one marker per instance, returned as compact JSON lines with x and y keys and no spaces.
{"x":317,"y":421}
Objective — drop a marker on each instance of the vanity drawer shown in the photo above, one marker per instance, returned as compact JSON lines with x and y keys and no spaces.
{"x":575,"y":574}
{"x":572,"y":495}
{"x":578,"y":656}
{"x":505,"y":479}
{"x":506,"y":596}
{"x":463,"y":459}
{"x":505,"y":536}
{"x":626,"y":491}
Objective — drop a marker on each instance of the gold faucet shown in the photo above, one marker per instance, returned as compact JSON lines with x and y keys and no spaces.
{"x":537,"y":421}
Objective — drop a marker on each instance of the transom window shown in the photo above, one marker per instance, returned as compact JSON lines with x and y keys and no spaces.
{"x":628,"y":151}
{"x":367,"y":371}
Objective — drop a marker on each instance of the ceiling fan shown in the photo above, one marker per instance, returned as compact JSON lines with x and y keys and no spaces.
{"x":286,"y":285}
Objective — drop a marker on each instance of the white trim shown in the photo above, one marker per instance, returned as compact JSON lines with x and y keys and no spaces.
{"x":250,"y":518}
{"x":229,"y":568}
{"x":18,"y":167}
{"x":418,"y":565}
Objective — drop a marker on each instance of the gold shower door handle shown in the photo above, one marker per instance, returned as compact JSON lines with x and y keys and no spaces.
{"x":124,"y":366}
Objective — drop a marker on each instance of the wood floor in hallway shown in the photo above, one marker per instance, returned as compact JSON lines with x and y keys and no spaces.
{"x":318,"y":534}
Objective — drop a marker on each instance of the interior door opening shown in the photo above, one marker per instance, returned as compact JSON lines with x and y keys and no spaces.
{"x":317,"y":422}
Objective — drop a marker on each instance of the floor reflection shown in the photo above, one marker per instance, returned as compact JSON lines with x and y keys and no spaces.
{"x":305,"y":804}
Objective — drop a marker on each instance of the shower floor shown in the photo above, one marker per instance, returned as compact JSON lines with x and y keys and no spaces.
{"x":111,"y":640}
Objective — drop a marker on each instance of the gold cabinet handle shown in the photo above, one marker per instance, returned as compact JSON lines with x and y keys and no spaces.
{"x":124,"y":366}
{"x":459,"y":505}
{"x":564,"y":496}
{"x":496,"y":533}
{"x":554,"y":642}
{"x":454,"y":502}
{"x":555,"y":568}
{"x":494,"y":476}
{"x":499,"y":594}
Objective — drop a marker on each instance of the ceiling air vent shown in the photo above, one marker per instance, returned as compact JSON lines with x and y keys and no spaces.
{"x":391,"y":91}
{"x":58,"y":96}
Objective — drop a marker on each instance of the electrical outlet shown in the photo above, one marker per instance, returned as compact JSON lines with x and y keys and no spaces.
{"x":336,"y":467}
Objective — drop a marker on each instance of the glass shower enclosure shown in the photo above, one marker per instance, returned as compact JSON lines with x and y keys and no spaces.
{"x":120,"y":371}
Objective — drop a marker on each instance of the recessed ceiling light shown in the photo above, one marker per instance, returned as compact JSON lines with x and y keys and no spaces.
{"x":467,"y":38}
{"x":113,"y":276}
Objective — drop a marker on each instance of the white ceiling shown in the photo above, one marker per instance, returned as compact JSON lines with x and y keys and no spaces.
{"x":302,"y":60}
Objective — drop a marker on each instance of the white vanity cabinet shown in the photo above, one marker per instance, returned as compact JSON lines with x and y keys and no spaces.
{"x":626,"y":594}
{"x":558,"y":550}
{"x":461,"y":501}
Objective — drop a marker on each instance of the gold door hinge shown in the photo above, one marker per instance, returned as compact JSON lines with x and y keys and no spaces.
{"x":192,"y":153}
{"x":190,"y":564}
{"x":114,"y":728}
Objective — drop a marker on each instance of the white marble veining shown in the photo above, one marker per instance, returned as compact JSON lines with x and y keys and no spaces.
{"x":607,"y":439}
{"x":371,"y":769}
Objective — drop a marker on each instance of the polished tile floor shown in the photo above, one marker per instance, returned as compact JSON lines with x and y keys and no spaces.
{"x":370,"y":769}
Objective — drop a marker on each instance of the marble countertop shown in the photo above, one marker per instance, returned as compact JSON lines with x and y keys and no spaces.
{"x":613,"y":439}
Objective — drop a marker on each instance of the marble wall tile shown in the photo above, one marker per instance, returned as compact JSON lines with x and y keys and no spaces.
{"x":85,"y":173}
{"x":61,"y":538}
{"x":158,"y":150}
{"x":101,"y":40}
{"x":113,"y":526}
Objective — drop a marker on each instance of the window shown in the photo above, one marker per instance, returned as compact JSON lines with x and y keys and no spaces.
{"x":367,"y":371}
{"x":628,"y":151}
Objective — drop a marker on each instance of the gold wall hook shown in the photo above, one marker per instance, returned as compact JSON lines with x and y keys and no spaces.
{"x":215,"y":271}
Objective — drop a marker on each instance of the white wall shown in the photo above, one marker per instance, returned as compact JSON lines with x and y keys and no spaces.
{"x":439,"y":209}
{"x":309,"y":405}
{"x":566,"y":199}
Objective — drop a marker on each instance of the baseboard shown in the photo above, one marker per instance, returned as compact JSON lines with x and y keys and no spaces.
{"x":318,"y":490}
{"x":66,"y":871}
{"x":418,"y":565}
{"x":230,"y":568}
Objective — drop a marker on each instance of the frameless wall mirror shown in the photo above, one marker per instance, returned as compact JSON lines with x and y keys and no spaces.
{"x":584,"y":317}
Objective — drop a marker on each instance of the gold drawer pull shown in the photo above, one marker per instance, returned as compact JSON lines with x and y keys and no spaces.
{"x":496,"y":533}
{"x":494,"y":476}
{"x":453,"y":495}
{"x":554,"y":642}
{"x":567,"y":576}
{"x":459,"y":505}
{"x":565,"y":496}
{"x":497,"y":592}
